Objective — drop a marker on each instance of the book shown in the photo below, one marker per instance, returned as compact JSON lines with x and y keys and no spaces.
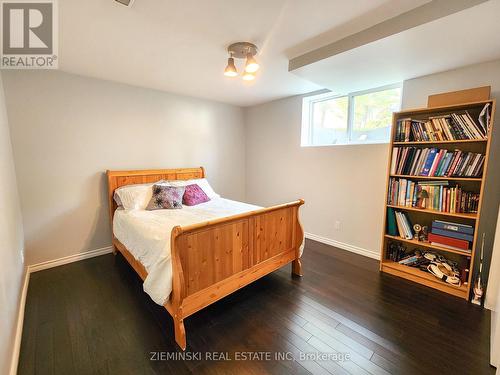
{"x":455,"y":227}
{"x":458,"y":235}
{"x":484,"y":118}
{"x":394,"y":159}
{"x":407,"y":225}
{"x":404,"y":225}
{"x":399,"y":225}
{"x":458,"y":244}
{"x":428,"y":162}
{"x":409,"y":260}
{"x":391,"y":222}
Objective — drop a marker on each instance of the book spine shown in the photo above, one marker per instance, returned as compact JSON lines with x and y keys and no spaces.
{"x":428,"y":162}
{"x":454,"y":227}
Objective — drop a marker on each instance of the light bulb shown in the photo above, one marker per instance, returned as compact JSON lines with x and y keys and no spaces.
{"x":252,"y":65}
{"x":248,"y":76}
{"x":230,"y":70}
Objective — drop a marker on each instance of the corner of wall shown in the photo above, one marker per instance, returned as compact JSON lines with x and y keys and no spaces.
{"x":12,"y":238}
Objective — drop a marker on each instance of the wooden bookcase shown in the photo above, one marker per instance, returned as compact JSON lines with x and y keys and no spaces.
{"x":425,"y":216}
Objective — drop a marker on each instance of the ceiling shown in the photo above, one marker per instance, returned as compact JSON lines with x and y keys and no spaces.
{"x":467,"y":37}
{"x":179,"y":46}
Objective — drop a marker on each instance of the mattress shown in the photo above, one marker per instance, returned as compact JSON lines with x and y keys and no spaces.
{"x":146,"y":234}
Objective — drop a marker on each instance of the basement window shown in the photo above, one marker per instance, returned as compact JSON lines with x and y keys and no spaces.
{"x":362,"y":117}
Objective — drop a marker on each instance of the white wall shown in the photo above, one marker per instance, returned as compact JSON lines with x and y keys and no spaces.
{"x":340,"y":183}
{"x":344,"y":183}
{"x":11,"y":243}
{"x":67,"y":130}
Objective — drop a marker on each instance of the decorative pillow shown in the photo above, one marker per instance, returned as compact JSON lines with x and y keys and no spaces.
{"x":168,"y":197}
{"x":194,"y":195}
{"x":201,"y":182}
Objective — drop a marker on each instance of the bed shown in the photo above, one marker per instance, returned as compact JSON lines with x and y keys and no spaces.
{"x":191,"y":258}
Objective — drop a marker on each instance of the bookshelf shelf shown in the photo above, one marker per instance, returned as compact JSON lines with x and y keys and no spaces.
{"x":428,"y":245}
{"x":477,"y":179}
{"x":426,"y":216}
{"x":434,"y":212}
{"x":441,"y":142}
{"x":422,"y":277}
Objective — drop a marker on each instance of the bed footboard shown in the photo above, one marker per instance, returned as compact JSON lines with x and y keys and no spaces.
{"x":215,"y":258}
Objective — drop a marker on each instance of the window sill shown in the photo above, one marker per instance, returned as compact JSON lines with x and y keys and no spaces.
{"x":348,"y":144}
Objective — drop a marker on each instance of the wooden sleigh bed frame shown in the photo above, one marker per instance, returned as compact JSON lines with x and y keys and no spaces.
{"x":213,"y":259}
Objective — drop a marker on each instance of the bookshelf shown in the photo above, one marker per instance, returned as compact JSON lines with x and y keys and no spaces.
{"x":425,"y":216}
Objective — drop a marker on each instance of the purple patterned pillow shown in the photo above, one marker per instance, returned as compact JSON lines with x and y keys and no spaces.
{"x":168,"y":197}
{"x":194,"y":195}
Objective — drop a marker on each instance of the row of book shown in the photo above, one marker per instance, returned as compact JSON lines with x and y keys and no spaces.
{"x":414,"y":161}
{"x":455,"y":126}
{"x":434,"y":195}
{"x":446,"y":234}
{"x":398,"y":223}
{"x":452,"y":235}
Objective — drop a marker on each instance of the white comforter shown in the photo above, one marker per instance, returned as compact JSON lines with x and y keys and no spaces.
{"x":146,"y":234}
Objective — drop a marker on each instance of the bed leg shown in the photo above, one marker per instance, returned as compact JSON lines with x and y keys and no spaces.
{"x":297,"y":267}
{"x":115,"y":250}
{"x":180,"y":332}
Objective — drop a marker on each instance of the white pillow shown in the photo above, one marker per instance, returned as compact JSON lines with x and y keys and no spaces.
{"x":135,"y":197}
{"x":201,"y":182}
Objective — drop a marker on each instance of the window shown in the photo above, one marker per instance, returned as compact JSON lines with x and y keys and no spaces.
{"x":357,"y":118}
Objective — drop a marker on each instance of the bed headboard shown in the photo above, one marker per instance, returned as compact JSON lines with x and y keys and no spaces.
{"x":122,"y":178}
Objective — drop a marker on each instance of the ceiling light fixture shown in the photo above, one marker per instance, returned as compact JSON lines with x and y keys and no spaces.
{"x":242,"y":50}
{"x":127,"y":3}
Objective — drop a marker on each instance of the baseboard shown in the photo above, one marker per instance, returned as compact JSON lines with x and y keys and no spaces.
{"x":19,"y":325}
{"x":69,"y":259}
{"x":344,"y":246}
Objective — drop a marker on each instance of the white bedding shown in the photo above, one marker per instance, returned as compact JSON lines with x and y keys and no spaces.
{"x":146,"y":234}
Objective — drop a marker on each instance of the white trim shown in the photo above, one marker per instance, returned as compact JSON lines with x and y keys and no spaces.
{"x":19,"y":326}
{"x":70,"y":259}
{"x":344,"y":246}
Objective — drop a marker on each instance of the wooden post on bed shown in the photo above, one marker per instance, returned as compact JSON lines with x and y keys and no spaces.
{"x":178,"y":291}
{"x":213,"y":259}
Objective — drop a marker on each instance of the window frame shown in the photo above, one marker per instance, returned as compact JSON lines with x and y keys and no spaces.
{"x":307,"y":131}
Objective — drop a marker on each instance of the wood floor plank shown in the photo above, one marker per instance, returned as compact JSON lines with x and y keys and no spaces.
{"x":403,"y":363}
{"x":92,"y":317}
{"x":338,"y":346}
{"x":350,"y":366}
{"x":388,"y":365}
{"x":305,"y":348}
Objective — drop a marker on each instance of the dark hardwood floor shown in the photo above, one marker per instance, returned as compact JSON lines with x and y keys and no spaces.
{"x":92,"y":317}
